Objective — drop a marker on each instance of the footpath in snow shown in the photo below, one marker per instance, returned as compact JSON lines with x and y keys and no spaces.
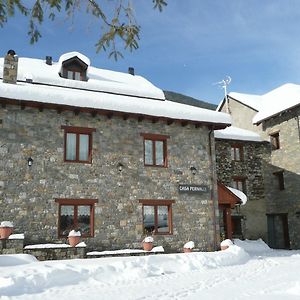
{"x":244,"y":271}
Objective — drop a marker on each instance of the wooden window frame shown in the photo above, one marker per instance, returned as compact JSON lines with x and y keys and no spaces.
{"x":280,"y":178}
{"x":155,"y":204}
{"x":75,"y":203}
{"x":156,"y":138}
{"x":274,"y":140}
{"x":233,"y":150}
{"x":78,"y":131}
{"x":236,"y":179}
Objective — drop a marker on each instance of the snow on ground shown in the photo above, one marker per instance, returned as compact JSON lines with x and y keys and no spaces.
{"x":246,"y":270}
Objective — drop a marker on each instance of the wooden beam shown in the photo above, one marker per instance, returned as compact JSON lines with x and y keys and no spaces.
{"x":184,"y":123}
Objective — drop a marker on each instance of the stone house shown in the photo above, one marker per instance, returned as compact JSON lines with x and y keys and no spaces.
{"x":240,"y":156}
{"x":104,"y":152}
{"x":275,"y":117}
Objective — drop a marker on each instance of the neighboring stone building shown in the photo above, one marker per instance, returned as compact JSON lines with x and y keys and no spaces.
{"x":106,"y":153}
{"x":275,"y":116}
{"x":240,"y":157}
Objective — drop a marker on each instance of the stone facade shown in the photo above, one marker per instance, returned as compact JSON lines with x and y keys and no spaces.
{"x":287,"y":160}
{"x":27,"y":194}
{"x":251,"y":168}
{"x":241,"y":115}
{"x":282,"y":205}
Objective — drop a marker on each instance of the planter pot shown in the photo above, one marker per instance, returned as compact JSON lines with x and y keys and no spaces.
{"x":5,"y":232}
{"x":147,"y":246}
{"x":224,"y":247}
{"x":187,"y":250}
{"x":74,"y":240}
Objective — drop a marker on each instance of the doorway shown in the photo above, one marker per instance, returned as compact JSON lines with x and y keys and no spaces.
{"x":278,"y":232}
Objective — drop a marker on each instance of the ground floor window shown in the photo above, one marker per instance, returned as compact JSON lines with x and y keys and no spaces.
{"x":76,"y":214}
{"x":157,"y":216}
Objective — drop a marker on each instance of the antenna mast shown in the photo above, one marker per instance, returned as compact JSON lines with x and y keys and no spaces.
{"x":224,"y":83}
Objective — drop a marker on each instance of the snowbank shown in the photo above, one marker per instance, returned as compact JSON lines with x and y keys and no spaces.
{"x":16,"y":260}
{"x":54,"y":274}
{"x":252,"y":246}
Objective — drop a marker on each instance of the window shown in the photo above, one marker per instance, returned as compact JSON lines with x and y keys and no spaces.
{"x":157,"y":216}
{"x":239,"y":183}
{"x":78,"y":144}
{"x":280,"y":179}
{"x":74,"y":75}
{"x":237,"y":152}
{"x":155,"y":150}
{"x":76,"y":214}
{"x":274,"y":137}
{"x":74,"y":68}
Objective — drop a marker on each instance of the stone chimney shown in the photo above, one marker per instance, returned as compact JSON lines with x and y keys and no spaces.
{"x":10,"y":69}
{"x":49,"y":60}
{"x":131,"y":71}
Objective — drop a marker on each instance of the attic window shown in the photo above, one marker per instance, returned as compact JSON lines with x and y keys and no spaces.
{"x":74,"y":69}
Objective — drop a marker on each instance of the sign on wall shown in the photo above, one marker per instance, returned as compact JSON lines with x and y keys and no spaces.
{"x":192,"y":189}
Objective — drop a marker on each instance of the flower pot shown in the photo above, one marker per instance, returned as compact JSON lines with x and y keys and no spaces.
{"x":74,"y":240}
{"x":147,"y":246}
{"x":187,"y":250}
{"x":5,"y":232}
{"x":224,"y":247}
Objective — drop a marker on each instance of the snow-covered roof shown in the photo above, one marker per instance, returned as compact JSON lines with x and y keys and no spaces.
{"x":235,"y":133}
{"x":270,"y":104}
{"x":239,"y":194}
{"x":253,"y":101}
{"x":104,"y":90}
{"x":277,"y":101}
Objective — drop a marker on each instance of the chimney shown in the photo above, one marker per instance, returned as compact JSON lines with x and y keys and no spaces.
{"x":49,"y":60}
{"x":10,"y":70}
{"x":131,"y":71}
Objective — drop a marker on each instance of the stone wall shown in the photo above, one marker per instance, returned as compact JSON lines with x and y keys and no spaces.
{"x":241,"y":115}
{"x":286,"y":159}
{"x":27,"y":194}
{"x":57,"y":253}
{"x":251,"y":168}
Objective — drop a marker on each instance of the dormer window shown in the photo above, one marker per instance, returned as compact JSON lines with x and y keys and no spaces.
{"x":74,"y":75}
{"x":74,"y":68}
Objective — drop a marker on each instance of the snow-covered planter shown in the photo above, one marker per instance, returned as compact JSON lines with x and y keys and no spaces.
{"x":188,"y":247}
{"x":148,"y":243}
{"x":226,"y":244}
{"x":74,"y":238}
{"x":6,"y":229}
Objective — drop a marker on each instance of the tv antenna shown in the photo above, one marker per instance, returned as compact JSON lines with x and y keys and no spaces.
{"x":223,"y":84}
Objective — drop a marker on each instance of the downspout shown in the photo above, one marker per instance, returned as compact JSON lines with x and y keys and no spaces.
{"x":298,"y":125}
{"x":212,"y":192}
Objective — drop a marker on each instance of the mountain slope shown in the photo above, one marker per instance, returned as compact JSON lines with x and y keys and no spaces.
{"x":176,"y":97}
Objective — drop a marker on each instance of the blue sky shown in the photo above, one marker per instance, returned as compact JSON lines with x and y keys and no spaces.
{"x":188,"y":47}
